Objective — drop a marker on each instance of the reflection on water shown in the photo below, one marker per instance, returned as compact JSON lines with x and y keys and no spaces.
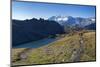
{"x":36,"y":44}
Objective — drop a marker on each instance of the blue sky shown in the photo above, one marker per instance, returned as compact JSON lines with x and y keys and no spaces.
{"x":28,"y":10}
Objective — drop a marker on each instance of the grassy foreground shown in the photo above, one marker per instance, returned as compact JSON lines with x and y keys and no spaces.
{"x":58,"y":51}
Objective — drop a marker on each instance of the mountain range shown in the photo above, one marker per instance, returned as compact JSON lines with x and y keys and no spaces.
{"x":69,"y":20}
{"x":24,"y":31}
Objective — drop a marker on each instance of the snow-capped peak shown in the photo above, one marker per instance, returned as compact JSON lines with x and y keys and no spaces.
{"x":69,"y":20}
{"x":93,"y":19}
{"x":63,"y":19}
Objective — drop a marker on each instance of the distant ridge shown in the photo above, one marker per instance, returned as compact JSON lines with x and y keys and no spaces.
{"x":69,"y":20}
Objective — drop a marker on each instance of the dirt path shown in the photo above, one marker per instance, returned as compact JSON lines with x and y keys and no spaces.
{"x":75,"y":57}
{"x":23,"y":55}
{"x":77,"y":53}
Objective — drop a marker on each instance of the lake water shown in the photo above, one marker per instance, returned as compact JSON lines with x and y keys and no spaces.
{"x":36,"y":44}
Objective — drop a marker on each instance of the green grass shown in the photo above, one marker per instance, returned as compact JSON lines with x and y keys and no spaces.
{"x":59,"y":51}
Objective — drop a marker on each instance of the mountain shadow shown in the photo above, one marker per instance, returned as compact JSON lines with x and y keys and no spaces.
{"x":91,"y":26}
{"x":24,"y":31}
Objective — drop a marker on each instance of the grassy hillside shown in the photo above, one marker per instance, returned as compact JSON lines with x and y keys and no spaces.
{"x":58,"y":51}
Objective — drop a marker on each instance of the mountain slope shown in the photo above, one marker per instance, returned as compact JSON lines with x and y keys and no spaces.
{"x":84,"y":21}
{"x":91,"y":26}
{"x":61,"y":50}
{"x":33,"y":29}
